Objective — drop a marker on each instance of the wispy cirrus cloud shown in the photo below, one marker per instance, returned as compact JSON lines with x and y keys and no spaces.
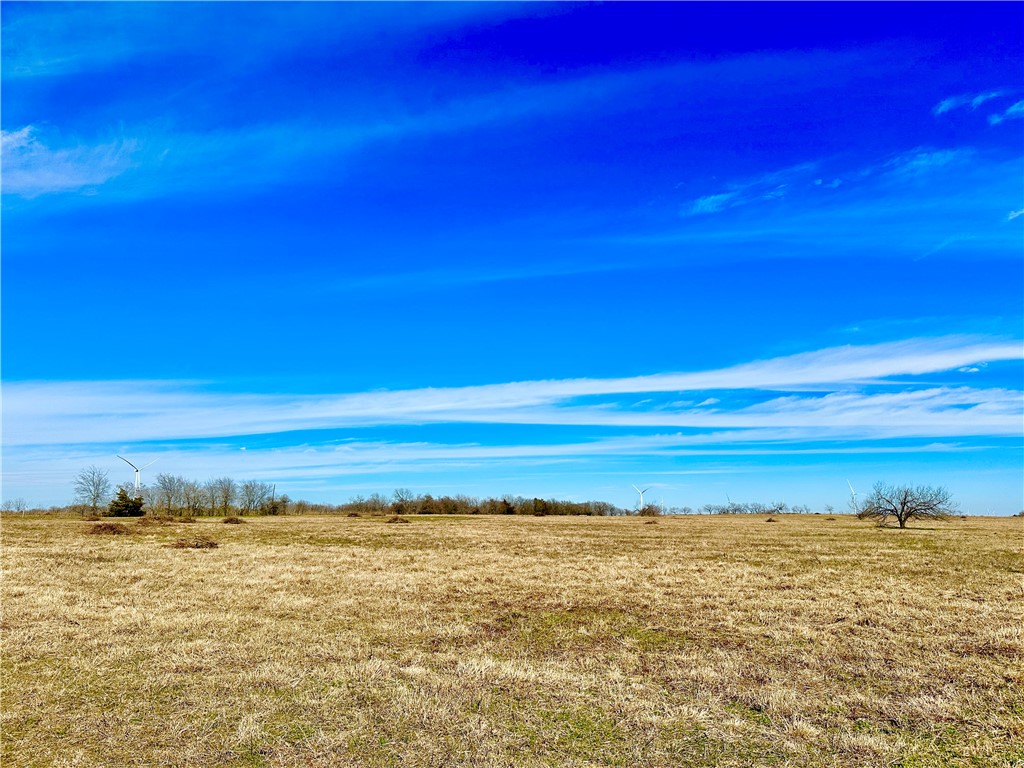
{"x":1013,"y":112}
{"x":33,"y":167}
{"x":71,"y":412}
{"x":967,"y":100}
{"x":767,"y":186}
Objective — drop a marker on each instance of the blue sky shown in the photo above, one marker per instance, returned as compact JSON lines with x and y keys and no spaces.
{"x":539,"y":249}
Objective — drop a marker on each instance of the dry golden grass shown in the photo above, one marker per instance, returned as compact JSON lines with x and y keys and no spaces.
{"x":515,"y":642}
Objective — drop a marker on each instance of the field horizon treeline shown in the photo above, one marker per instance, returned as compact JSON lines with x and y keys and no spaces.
{"x":172,"y":494}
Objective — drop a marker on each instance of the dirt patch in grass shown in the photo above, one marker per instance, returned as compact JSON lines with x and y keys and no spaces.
{"x":233,"y":520}
{"x":195,"y":542}
{"x":110,"y":529}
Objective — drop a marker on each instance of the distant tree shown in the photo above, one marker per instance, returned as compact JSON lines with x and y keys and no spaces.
{"x":124,"y":505}
{"x":402,"y":501}
{"x":92,"y":487}
{"x":904,"y":503}
{"x":192,"y":497}
{"x":168,"y":491}
{"x":650,"y":510}
{"x":252,"y":494}
{"x":13,"y":505}
{"x":221,"y":492}
{"x":275,"y":505}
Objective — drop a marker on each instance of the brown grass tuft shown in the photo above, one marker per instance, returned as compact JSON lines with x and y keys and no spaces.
{"x":771,"y":520}
{"x":195,"y":542}
{"x":397,"y":519}
{"x":111,"y":529}
{"x":353,"y":514}
{"x":92,"y":518}
{"x":650,"y":522}
{"x":233,"y":520}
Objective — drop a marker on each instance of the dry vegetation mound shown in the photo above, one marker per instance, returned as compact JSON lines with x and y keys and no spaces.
{"x":110,"y":529}
{"x":195,"y":542}
{"x":397,"y":519}
{"x":233,"y":520}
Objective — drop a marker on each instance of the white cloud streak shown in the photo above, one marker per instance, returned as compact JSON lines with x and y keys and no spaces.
{"x":970,"y":101}
{"x":31,"y":167}
{"x":124,"y":412}
{"x":1012,"y":112}
{"x":768,"y":186}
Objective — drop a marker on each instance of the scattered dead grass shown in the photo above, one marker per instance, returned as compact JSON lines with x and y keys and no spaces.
{"x":195,"y":542}
{"x":516,"y":642}
{"x":110,"y":529}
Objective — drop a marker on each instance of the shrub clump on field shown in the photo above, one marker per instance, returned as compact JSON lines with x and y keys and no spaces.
{"x":110,"y":529}
{"x":353,"y":514}
{"x":396,"y":519}
{"x":92,"y":518}
{"x":124,"y":505}
{"x":771,"y":520}
{"x":650,"y":522}
{"x":195,"y":542}
{"x":233,"y":520}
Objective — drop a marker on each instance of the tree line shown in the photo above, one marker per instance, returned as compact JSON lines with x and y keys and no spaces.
{"x":176,"y":495}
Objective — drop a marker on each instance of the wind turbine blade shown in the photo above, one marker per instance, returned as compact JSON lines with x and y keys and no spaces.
{"x":637,"y":489}
{"x":645,"y":490}
{"x":851,"y":487}
{"x":148,"y":465}
{"x":122,"y":458}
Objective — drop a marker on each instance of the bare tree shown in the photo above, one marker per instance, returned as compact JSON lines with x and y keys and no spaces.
{"x":222,"y":492}
{"x":13,"y":505}
{"x":252,"y":495}
{"x":192,"y":497}
{"x":168,"y":490}
{"x":905,"y":503}
{"x":92,"y":487}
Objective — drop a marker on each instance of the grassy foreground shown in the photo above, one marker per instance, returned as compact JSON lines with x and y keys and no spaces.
{"x":514,"y":642}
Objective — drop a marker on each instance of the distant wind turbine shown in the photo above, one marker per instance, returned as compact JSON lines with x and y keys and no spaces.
{"x":645,"y":490}
{"x":853,"y":494}
{"x":138,"y":470}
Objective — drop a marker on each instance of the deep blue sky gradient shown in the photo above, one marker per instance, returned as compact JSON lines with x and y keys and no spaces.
{"x":231,"y":201}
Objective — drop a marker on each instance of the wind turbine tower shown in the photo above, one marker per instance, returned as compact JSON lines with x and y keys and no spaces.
{"x":853,"y":494}
{"x":138,"y":471}
{"x":645,"y":490}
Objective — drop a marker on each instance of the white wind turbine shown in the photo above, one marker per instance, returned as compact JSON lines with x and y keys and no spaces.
{"x":853,"y":494}
{"x":138,"y":470}
{"x":645,"y":490}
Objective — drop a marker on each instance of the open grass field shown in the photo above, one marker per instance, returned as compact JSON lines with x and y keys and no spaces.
{"x":478,"y":641}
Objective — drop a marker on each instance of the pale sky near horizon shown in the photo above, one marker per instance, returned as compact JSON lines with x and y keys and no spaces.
{"x":546,"y":249}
